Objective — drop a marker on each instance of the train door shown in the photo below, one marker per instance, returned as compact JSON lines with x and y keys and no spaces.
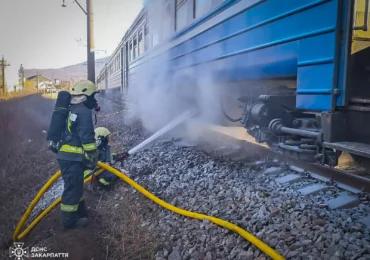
{"x":348,"y":128}
{"x":357,"y":74}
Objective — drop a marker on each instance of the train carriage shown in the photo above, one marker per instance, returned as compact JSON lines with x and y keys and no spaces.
{"x":300,"y":68}
{"x":110,"y":77}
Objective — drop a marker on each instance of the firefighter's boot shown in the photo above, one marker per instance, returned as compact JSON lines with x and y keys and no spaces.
{"x":82,"y":210}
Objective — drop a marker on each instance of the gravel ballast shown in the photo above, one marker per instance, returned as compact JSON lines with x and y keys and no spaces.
{"x":245,"y":194}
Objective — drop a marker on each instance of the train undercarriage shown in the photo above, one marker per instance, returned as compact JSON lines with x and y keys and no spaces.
{"x":312,"y":137}
{"x":273,"y":119}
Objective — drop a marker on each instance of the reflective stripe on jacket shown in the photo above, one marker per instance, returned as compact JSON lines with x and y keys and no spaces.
{"x":80,"y":134}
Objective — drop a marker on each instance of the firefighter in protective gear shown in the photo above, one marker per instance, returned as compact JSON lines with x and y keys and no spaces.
{"x":105,"y":179}
{"x":77,"y":153}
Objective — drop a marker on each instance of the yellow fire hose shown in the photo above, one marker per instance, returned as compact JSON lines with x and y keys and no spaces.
{"x":254,"y":240}
{"x":45,"y":188}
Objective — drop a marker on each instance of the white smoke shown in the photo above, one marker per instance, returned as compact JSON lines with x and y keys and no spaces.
{"x":160,"y":95}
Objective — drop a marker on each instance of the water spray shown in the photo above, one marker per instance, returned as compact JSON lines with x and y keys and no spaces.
{"x":172,"y":124}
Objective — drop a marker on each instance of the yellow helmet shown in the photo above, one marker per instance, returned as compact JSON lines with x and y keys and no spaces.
{"x":84,"y":87}
{"x":101,"y":132}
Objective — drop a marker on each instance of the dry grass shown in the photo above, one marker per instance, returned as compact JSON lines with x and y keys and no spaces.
{"x":25,"y":161}
{"x":18,"y":94}
{"x":122,"y":214}
{"x":27,"y":164}
{"x":122,"y":218}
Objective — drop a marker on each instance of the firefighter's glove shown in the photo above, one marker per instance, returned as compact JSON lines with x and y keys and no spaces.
{"x":121,"y":156}
{"x":54,"y":147}
{"x":91,"y":160}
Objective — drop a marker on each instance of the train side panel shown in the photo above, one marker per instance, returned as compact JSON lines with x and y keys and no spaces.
{"x":307,"y":43}
{"x":248,"y":40}
{"x":110,"y":77}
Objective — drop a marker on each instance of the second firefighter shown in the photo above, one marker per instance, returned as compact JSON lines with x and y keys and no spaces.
{"x":105,"y":179}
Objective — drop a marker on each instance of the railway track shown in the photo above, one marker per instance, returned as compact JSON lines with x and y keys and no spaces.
{"x":251,"y":187}
{"x":344,"y":189}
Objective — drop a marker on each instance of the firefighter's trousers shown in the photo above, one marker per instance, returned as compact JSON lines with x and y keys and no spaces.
{"x":73,"y":204}
{"x":106,"y":179}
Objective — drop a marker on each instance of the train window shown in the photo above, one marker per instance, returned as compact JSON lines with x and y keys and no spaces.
{"x":155,"y":38}
{"x":130,"y":52}
{"x":141,"y":44}
{"x":135,"y":48}
{"x":146,"y":37}
{"x":167,"y":25}
{"x":181,"y":14}
{"x":201,"y":7}
{"x":217,"y":2}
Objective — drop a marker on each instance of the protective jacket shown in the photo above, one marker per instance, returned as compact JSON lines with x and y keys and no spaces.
{"x":104,"y":155}
{"x":79,"y":141}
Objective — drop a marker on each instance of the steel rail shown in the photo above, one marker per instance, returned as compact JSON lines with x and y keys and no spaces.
{"x":344,"y":179}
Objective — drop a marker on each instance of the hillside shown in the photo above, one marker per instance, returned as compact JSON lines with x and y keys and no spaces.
{"x":74,"y":72}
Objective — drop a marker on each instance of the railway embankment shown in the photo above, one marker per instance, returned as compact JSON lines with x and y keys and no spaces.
{"x":125,"y":225}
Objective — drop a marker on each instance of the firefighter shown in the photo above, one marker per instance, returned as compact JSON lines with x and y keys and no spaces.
{"x":77,"y":152}
{"x":105,"y":179}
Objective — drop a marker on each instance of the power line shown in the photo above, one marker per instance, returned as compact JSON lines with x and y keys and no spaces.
{"x":106,"y":16}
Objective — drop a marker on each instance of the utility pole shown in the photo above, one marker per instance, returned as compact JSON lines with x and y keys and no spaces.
{"x":21,"y":76}
{"x":90,"y":38}
{"x":3,"y":65}
{"x":37,"y":80}
{"x":90,"y":42}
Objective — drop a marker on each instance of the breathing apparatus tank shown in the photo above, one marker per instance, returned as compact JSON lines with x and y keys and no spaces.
{"x":58,"y":122}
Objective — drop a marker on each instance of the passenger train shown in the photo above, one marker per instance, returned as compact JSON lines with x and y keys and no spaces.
{"x":301,"y":68}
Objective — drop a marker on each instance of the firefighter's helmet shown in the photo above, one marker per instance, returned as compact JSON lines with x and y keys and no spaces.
{"x":84,"y":87}
{"x":101,"y":132}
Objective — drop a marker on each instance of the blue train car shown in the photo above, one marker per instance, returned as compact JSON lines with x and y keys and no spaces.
{"x":110,"y":77}
{"x":291,"y":63}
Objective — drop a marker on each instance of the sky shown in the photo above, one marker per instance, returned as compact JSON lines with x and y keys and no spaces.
{"x":42,"y":34}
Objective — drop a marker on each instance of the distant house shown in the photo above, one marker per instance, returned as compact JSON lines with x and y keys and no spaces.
{"x":39,"y":82}
{"x":57,"y":82}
